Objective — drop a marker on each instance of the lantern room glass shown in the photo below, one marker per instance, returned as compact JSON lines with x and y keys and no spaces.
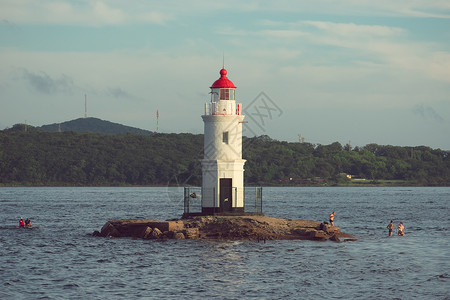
{"x":226,"y":94}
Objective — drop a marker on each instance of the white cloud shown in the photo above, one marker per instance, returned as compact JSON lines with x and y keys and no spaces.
{"x":355,"y":30}
{"x":106,"y":14}
{"x":83,"y":13}
{"x":155,"y":17}
{"x":369,"y":44}
{"x":282,"y":33}
{"x":97,"y":13}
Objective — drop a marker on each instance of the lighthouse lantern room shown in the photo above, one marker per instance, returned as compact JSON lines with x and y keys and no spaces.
{"x":222,"y":163}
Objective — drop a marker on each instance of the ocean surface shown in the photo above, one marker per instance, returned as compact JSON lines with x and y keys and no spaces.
{"x":60,"y":259}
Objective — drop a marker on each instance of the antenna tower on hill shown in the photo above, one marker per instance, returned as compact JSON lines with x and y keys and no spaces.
{"x":85,"y":106}
{"x":157,"y":120}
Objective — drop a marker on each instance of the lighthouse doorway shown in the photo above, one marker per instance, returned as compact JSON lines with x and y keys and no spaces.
{"x":226,"y":195}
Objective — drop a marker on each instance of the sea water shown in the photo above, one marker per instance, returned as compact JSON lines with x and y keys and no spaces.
{"x":60,"y":259}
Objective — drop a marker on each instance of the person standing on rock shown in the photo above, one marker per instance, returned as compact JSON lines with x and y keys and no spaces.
{"x":401,"y":229}
{"x":390,"y":227}
{"x":332,"y":218}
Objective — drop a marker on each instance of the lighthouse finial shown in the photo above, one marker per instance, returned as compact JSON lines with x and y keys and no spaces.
{"x":223,"y":59}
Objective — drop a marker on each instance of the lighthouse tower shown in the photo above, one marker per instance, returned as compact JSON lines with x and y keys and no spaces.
{"x":222,"y":164}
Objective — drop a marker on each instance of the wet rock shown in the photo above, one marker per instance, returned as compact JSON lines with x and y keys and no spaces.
{"x":303,"y":231}
{"x":155,"y":234}
{"x":334,"y":238}
{"x":146,"y":232}
{"x":328,"y":228}
{"x":169,"y":234}
{"x":318,"y":235}
{"x":192,"y":233}
{"x":97,"y":233}
{"x":224,"y":227}
{"x":109,"y":230}
{"x":179,"y":236}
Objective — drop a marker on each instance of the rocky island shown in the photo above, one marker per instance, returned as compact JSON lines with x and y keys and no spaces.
{"x":256,"y":228}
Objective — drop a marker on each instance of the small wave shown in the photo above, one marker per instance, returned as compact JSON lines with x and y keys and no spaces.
{"x":9,"y":227}
{"x":439,"y":277}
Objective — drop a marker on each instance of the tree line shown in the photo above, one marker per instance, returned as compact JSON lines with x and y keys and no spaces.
{"x":34,"y":157}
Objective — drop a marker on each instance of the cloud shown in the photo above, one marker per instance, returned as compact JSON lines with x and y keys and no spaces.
{"x":154,"y":17}
{"x":45,"y":84}
{"x":99,"y":13}
{"x":352,"y":29}
{"x":108,"y":15}
{"x":428,"y":113}
{"x":84,"y":13}
{"x":118,"y":93}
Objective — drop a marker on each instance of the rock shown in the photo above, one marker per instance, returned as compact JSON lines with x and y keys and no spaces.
{"x":224,"y":227}
{"x":318,"y":235}
{"x":155,"y":234}
{"x":169,"y":234}
{"x":97,"y":233}
{"x":179,"y":236}
{"x":303,"y":231}
{"x":192,"y":233}
{"x":334,"y":238}
{"x":146,"y":232}
{"x":328,"y":228}
{"x":109,"y":230}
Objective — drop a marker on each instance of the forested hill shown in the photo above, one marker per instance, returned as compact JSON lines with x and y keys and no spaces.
{"x":93,"y":125}
{"x":35,"y":157}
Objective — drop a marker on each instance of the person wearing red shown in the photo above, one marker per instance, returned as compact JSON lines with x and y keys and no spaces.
{"x":21,"y":222}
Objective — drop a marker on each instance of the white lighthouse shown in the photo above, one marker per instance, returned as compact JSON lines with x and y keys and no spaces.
{"x":222,"y":164}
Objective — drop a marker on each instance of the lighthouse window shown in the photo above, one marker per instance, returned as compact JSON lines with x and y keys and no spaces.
{"x":225,"y":137}
{"x":224,"y":94}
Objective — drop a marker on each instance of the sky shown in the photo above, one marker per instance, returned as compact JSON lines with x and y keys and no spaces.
{"x":352,"y":71}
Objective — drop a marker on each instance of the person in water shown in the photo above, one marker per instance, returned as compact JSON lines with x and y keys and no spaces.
{"x":28,"y":222}
{"x":390,"y":227}
{"x":21,"y":222}
{"x":193,"y":195}
{"x":401,"y":229}
{"x":332,"y":218}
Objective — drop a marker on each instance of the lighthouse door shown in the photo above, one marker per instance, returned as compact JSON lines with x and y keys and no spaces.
{"x":225,"y":194}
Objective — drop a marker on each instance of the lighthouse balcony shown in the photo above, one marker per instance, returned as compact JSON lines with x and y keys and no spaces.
{"x":223,"y":107}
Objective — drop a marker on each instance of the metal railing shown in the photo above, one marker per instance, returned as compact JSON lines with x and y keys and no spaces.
{"x":192,"y":199}
{"x":252,"y":199}
{"x":228,"y":108}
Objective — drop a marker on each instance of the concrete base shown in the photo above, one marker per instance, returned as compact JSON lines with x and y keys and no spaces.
{"x":209,"y":211}
{"x":236,"y":213}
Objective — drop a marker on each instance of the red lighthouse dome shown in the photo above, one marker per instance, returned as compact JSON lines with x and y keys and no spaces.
{"x":223,"y":82}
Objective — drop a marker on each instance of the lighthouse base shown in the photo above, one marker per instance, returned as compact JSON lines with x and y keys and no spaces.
{"x":218,"y":214}
{"x":219,"y":211}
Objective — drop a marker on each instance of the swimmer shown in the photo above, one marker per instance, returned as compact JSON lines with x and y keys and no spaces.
{"x":390,"y":227}
{"x":401,"y":229}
